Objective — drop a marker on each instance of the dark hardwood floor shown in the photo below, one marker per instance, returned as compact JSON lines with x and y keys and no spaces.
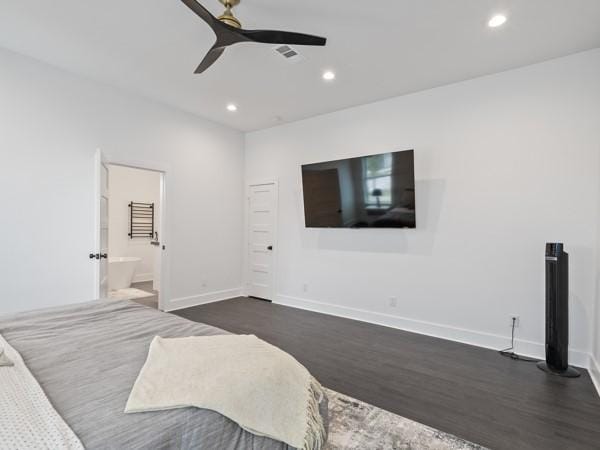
{"x":468,"y":391}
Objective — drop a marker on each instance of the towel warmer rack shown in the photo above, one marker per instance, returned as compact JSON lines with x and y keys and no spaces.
{"x":141,"y":220}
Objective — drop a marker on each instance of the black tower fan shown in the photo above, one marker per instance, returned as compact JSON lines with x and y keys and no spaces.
{"x":557,"y":313}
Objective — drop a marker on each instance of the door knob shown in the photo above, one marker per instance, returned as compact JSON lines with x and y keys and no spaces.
{"x":104,"y":255}
{"x":94,"y":255}
{"x":270,"y":247}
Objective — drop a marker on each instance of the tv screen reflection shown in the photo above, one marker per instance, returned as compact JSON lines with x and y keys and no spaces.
{"x":375,"y":191}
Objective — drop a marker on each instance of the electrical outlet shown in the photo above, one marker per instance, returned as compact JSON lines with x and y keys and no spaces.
{"x":393,"y":302}
{"x":305,"y":287}
{"x":516,"y":320}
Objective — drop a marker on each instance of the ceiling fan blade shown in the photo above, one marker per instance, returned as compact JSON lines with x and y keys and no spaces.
{"x":201,"y":11}
{"x":282,"y":37}
{"x":212,"y":55}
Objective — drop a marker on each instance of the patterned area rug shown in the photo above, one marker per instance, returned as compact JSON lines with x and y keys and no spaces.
{"x":128,"y":294}
{"x":355,"y":425}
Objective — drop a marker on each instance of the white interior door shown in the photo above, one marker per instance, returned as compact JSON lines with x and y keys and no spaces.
{"x":103,"y":261}
{"x":100,"y":254}
{"x":262,"y":223}
{"x":156,"y":241}
{"x":157,"y":262}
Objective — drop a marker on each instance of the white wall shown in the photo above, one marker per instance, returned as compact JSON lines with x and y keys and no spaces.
{"x":595,"y":360}
{"x":504,"y":163}
{"x":128,"y":185}
{"x":51,"y":123}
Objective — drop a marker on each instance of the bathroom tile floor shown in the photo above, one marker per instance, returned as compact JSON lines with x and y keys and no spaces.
{"x":152,"y":302}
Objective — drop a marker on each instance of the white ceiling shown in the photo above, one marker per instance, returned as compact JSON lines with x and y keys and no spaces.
{"x":378,"y":49}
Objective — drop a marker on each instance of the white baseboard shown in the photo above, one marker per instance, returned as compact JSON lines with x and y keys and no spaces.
{"x":477,"y":338}
{"x":202,"y":299}
{"x":595,"y":373}
{"x":139,"y":278}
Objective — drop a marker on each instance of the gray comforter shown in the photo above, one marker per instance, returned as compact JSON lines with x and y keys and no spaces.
{"x":86,"y":358}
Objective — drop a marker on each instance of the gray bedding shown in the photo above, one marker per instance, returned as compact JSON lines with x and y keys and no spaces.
{"x":86,"y":358}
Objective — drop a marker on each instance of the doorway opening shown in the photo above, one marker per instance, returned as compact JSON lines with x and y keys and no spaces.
{"x":133,"y":234}
{"x":131,"y":205}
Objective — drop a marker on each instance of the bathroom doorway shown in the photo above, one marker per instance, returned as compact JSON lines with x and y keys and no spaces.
{"x":133,"y":227}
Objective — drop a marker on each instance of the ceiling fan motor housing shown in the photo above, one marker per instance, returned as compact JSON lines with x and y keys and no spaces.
{"x":227,"y":17}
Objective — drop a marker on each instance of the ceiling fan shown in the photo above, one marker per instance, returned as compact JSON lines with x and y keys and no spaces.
{"x":229,"y":31}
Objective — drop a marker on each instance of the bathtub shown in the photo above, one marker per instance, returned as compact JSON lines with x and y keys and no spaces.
{"x":121,"y":271}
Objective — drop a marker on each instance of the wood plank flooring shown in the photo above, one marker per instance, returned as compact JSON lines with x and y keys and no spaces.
{"x":468,"y":391}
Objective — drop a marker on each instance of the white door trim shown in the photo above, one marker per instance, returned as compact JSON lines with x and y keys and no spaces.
{"x":275,"y":259}
{"x":98,"y":162}
{"x":164,"y":169}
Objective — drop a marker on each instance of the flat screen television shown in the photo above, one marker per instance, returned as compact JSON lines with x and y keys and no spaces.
{"x":375,"y":191}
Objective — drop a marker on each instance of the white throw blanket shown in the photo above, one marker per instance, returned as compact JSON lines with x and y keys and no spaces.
{"x":27,"y":419}
{"x":258,"y":386}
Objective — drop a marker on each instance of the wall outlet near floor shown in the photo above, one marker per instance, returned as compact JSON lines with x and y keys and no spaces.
{"x":305,"y":287}
{"x":393,"y":302}
{"x":516,"y":320}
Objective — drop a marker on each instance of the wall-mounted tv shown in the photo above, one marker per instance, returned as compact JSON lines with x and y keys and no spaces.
{"x":375,"y":191}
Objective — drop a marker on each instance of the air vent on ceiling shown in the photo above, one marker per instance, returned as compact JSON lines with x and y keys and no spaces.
{"x":288,"y":52}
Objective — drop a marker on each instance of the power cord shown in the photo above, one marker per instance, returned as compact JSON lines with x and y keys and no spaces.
{"x":509,"y":353}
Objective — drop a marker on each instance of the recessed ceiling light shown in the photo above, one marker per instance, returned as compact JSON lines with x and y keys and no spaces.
{"x":497,"y":21}
{"x":231,"y":107}
{"x":329,"y":75}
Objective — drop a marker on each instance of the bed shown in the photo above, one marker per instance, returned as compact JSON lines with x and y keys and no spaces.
{"x":397,"y":217}
{"x":86,"y":358}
